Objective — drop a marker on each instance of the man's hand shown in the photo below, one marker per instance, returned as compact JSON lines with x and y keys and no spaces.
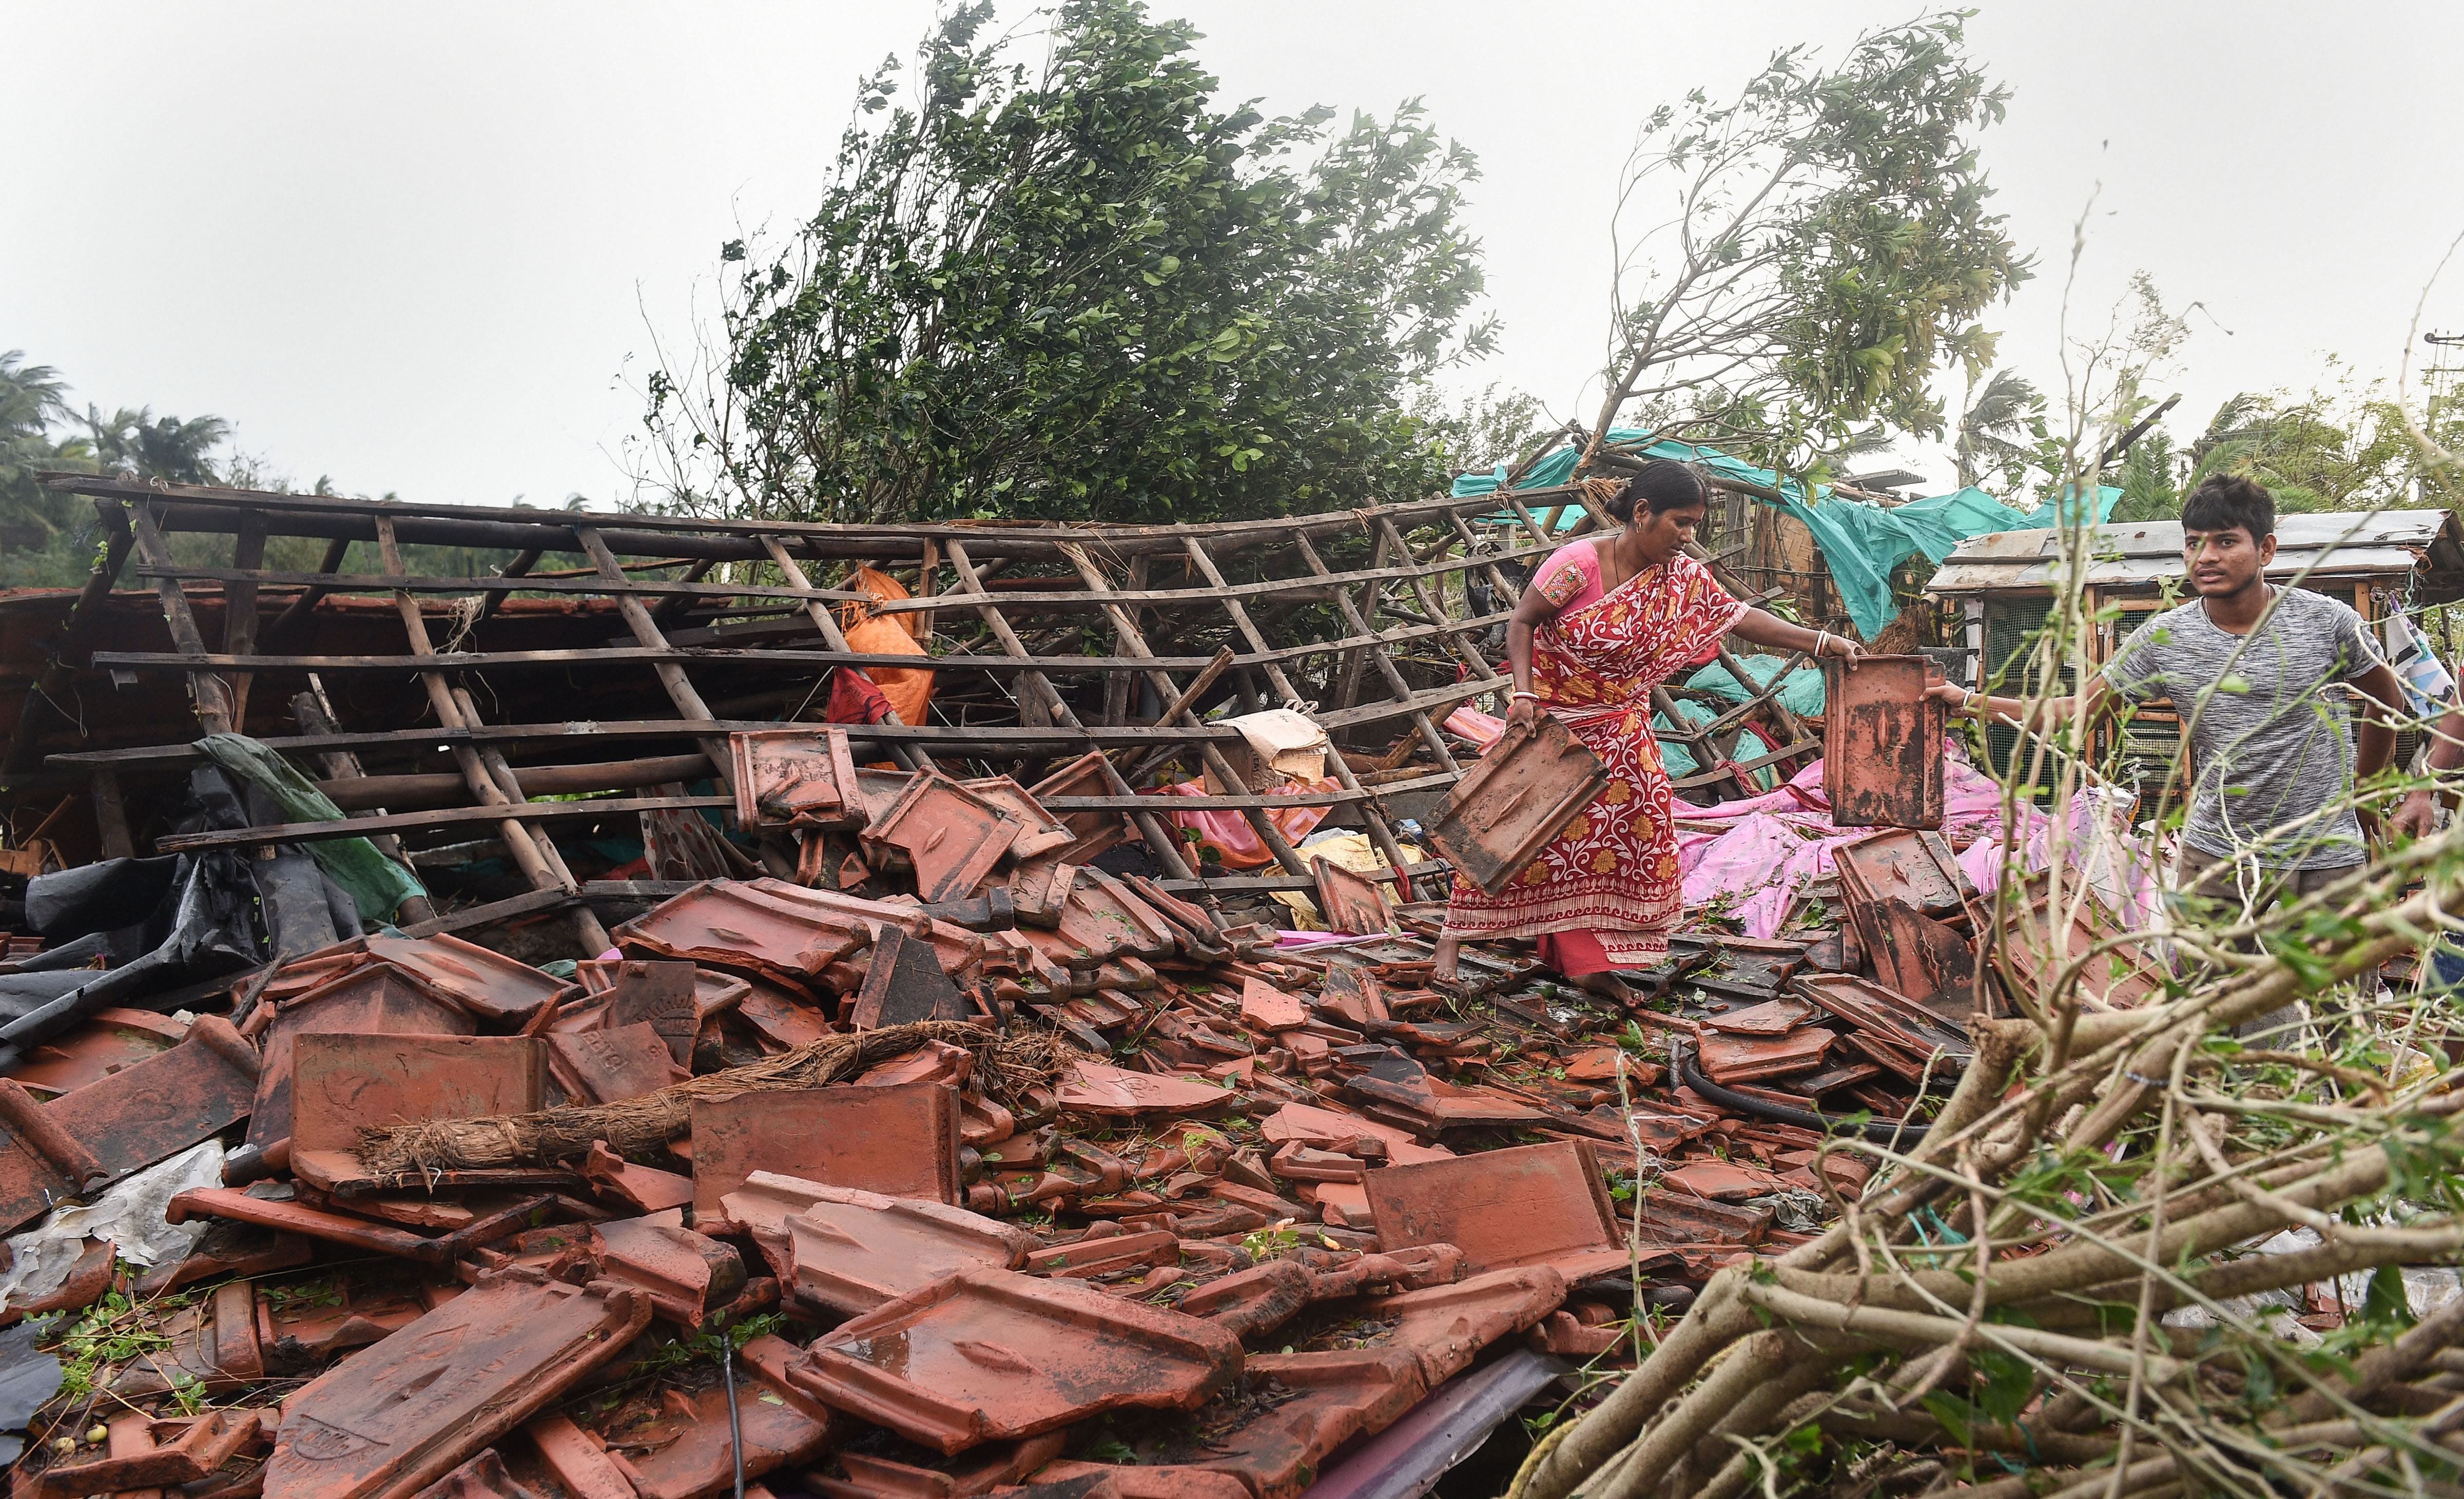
{"x":1525,"y":712}
{"x":2415,"y":818}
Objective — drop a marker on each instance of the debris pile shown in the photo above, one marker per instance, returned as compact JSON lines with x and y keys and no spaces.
{"x":963,"y":1118}
{"x":980,"y":1165}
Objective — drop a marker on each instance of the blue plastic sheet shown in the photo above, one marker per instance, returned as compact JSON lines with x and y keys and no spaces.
{"x":1861,"y":543}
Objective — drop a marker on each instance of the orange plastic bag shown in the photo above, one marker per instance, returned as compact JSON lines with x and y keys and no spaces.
{"x":909,"y":692}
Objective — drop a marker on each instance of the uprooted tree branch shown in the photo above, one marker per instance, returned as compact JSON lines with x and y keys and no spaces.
{"x":1998,"y":1288}
{"x":1827,"y":244}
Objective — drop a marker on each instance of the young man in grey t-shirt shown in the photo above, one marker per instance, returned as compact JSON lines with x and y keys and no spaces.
{"x":2259,"y":675}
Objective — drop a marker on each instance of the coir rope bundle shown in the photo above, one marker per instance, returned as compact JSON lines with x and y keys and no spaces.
{"x":1006,"y":1064}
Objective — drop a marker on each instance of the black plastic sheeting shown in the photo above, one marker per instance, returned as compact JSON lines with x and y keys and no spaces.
{"x":161,"y":923}
{"x":27,"y":1379}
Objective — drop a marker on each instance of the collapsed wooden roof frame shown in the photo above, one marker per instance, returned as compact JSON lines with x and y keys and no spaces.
{"x":493,"y":794}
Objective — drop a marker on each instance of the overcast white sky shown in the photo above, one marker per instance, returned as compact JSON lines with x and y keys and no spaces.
{"x":413,"y":247}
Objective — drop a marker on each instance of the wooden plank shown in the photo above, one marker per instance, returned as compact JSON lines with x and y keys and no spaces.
{"x":1374,"y":813}
{"x":672,"y":676}
{"x":1497,"y":578}
{"x":1470,"y":654}
{"x":1403,"y":704}
{"x":471,"y":915}
{"x":1000,"y":739}
{"x":209,"y":693}
{"x":1170,"y":598}
{"x":523,"y":561}
{"x":1741,"y":767}
{"x":618,"y":655}
{"x":1176,"y":803}
{"x":636,"y":889}
{"x":495,"y":587}
{"x":673,"y":606}
{"x":439,"y":817}
{"x":1355,"y":660}
{"x":239,"y":607}
{"x":311,"y":711}
{"x":646,"y":655}
{"x":1127,"y":632}
{"x":61,"y":666}
{"x":301,"y":607}
{"x":537,"y":858}
{"x":1259,"y":884}
{"x":1159,"y":841}
{"x":912,"y":756}
{"x":1414,"y":705}
{"x":111,"y":817}
{"x":878,"y":540}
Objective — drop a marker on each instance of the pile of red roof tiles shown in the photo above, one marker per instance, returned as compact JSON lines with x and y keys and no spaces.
{"x":1123,"y":1198}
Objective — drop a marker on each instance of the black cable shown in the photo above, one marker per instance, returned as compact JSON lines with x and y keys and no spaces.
{"x":1684,"y":1071}
{"x":734,"y":1426}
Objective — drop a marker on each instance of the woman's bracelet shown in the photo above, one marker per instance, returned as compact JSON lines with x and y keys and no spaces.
{"x":1821,"y":642}
{"x":1533,"y":696}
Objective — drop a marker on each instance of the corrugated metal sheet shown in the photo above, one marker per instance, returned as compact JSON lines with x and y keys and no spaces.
{"x":2387,"y":543}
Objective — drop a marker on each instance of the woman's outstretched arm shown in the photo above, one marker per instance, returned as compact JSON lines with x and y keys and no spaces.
{"x":1761,"y":627}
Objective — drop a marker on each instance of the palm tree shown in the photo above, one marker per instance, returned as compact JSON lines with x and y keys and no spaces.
{"x":2298,"y":449}
{"x":2006,"y":410}
{"x":142,"y":446}
{"x":31,"y":400}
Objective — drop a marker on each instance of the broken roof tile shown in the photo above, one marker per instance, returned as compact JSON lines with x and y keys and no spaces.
{"x":404,"y":1412}
{"x":852,"y":1251}
{"x":488,"y":983}
{"x":900,"y":1140}
{"x":1530,"y":1204}
{"x":989,"y":1354}
{"x":1094,"y":1087}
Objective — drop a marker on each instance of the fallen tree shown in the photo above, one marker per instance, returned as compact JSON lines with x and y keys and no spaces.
{"x":1992,"y":1312}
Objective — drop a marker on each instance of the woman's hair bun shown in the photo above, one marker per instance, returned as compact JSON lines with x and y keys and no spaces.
{"x":1664,"y":485}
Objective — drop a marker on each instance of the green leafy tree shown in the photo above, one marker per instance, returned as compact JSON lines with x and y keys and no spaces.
{"x":1481,"y":431}
{"x":1081,"y":288}
{"x":47,"y":537}
{"x":1816,"y":247}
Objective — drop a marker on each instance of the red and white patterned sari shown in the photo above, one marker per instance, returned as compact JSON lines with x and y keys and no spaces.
{"x":1612,"y":874}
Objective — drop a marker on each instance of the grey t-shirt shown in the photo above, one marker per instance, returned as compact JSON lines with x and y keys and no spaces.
{"x":2269,"y":729}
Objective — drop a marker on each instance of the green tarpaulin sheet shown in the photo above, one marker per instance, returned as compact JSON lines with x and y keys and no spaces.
{"x":1801,"y":694}
{"x":1679,"y":761}
{"x":376,"y":882}
{"x":1861,"y":543}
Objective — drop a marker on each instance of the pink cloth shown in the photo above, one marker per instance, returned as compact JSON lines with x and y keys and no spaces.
{"x":1229,"y":833}
{"x":1470,"y":722}
{"x":1776,"y":842}
{"x":1772,"y":844}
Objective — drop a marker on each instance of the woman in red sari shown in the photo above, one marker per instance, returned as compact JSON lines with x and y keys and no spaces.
{"x":1604,"y":620}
